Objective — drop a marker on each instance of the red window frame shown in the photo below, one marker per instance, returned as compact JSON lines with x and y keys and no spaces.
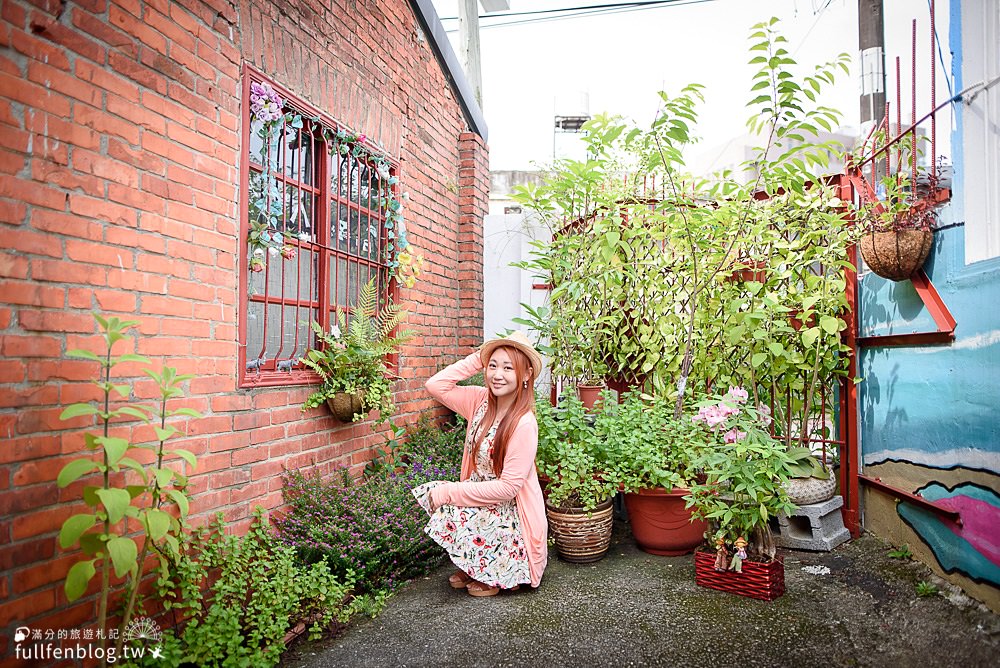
{"x":329,"y":259}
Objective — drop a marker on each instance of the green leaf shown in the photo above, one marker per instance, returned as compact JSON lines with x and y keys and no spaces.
{"x":190,"y":412}
{"x":114,"y":447}
{"x":74,"y":527}
{"x":116,"y":502}
{"x":84,"y":355}
{"x":164,"y":433}
{"x":135,"y":466}
{"x":180,"y":499}
{"x":829,"y":324}
{"x":809,"y":336}
{"x":157,"y":523}
{"x":78,"y":578}
{"x":129,"y":357}
{"x":77,"y":410}
{"x":163,"y":477}
{"x":74,"y":470}
{"x":758,"y":359}
{"x":187,"y":456}
{"x":123,"y":554}
{"x":776,"y":348}
{"x":133,"y":411}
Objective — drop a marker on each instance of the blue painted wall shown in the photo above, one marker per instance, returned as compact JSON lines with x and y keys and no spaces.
{"x":929,"y":416}
{"x":934,"y":405}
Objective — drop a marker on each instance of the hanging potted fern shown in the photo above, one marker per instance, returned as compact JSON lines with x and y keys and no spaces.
{"x":351,"y":359}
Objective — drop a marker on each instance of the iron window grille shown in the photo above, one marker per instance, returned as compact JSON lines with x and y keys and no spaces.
{"x":326,"y":204}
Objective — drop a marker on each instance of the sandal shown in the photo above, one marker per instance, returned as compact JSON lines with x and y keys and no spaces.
{"x":476,"y":588}
{"x":459,"y":579}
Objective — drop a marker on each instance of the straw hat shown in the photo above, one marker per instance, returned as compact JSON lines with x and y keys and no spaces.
{"x":514,"y":340}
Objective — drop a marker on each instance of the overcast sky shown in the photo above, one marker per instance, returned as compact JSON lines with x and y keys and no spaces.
{"x":622,"y":59}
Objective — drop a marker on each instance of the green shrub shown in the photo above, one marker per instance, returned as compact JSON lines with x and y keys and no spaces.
{"x":233,"y":598}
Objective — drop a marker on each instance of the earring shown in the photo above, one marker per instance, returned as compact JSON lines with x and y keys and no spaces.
{"x":524,"y":384}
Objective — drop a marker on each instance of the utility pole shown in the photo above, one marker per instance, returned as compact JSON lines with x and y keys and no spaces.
{"x":871,"y":43}
{"x":468,"y":37}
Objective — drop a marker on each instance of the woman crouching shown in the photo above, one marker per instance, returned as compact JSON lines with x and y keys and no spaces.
{"x":492,"y":523}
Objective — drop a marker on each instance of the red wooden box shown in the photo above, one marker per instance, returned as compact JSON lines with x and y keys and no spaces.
{"x":763,"y":581}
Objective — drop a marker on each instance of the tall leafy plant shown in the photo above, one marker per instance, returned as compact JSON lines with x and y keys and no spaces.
{"x":151,"y":500}
{"x":656,"y":256}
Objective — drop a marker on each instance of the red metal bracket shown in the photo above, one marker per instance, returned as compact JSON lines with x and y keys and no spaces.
{"x":915,"y":499}
{"x":943,"y":319}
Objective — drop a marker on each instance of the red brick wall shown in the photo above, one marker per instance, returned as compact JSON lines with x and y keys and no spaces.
{"x":119,"y":154}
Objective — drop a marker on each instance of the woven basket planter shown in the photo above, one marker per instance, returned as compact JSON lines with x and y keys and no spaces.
{"x":762,"y":581}
{"x":581,"y":537}
{"x":896,"y":254}
{"x":345,"y":406}
{"x":803,"y":491}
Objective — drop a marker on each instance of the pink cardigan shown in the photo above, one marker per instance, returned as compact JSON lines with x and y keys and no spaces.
{"x":518,"y":480}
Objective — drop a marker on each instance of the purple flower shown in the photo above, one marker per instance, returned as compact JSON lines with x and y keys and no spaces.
{"x":738,"y":394}
{"x":734,"y":435}
{"x":265,"y":103}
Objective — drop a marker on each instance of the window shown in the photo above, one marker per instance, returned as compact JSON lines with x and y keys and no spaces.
{"x":980,"y":23}
{"x":313,"y":216}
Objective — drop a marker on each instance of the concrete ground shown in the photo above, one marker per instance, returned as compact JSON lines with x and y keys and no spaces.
{"x":636,"y":609}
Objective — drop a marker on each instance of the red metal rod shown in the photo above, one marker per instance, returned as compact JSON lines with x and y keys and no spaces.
{"x":913,"y":109}
{"x":899,"y":119}
{"x":916,"y":500}
{"x":933,"y":162}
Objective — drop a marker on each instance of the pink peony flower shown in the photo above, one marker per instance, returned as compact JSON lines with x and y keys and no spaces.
{"x":288,"y":252}
{"x":738,"y":394}
{"x":734,"y":435}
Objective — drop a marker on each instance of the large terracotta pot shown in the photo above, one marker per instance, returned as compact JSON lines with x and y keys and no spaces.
{"x":660,"y":522}
{"x":589,"y":394}
{"x":765,"y":581}
{"x":896,"y":254}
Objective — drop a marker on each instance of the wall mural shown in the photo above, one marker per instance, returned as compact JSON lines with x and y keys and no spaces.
{"x":972,"y":548}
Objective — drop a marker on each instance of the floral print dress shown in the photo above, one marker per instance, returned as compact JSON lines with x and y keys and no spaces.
{"x":484,"y":542}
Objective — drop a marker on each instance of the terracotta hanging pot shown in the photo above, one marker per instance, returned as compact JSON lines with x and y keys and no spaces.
{"x":896,"y":254}
{"x":345,"y":406}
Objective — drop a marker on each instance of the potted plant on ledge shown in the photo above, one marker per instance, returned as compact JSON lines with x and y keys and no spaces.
{"x":351,"y":359}
{"x":745,"y":473}
{"x":898,"y":230}
{"x":572,"y":456}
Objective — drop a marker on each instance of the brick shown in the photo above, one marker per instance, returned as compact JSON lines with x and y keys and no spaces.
{"x":94,"y":253}
{"x":72,"y":39}
{"x":37,"y":49}
{"x":105,"y":124}
{"x":137,"y":72}
{"x":24,"y":608}
{"x":102,"y":210}
{"x":125,"y":153}
{"x":53,"y":79}
{"x":54,"y":174}
{"x":31,"y":193}
{"x":105,"y":168}
{"x":105,"y":80}
{"x":17,"y":292}
{"x":29,"y":447}
{"x":95,"y":27}
{"x":30,"y":346}
{"x":32,"y":243}
{"x":13,"y":266}
{"x":67,"y":272}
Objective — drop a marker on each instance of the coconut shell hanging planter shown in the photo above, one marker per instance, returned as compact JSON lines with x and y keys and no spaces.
{"x":896,"y":254}
{"x":345,"y":406}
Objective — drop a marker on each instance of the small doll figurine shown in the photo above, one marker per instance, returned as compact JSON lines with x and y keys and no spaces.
{"x":721,"y":553}
{"x":738,"y":556}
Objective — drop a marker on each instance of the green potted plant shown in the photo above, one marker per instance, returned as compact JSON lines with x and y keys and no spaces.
{"x":897,"y":229}
{"x":654,"y":459}
{"x":744,"y":487}
{"x":572,"y":457}
{"x":351,"y":359}
{"x":809,"y":479}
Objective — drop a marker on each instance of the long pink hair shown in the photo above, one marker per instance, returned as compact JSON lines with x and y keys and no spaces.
{"x":524,"y":402}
